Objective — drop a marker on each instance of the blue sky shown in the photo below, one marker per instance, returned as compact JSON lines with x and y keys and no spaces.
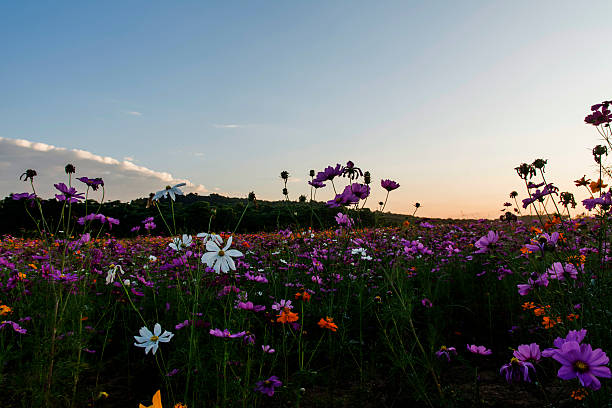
{"x":444,"y":97}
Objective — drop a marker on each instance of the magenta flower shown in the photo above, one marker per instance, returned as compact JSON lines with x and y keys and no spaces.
{"x":517,"y":370}
{"x":329,"y":173}
{"x":68,"y":194}
{"x":316,"y":184}
{"x":344,"y":220}
{"x":486,"y":243}
{"x":481,"y":350}
{"x":268,"y":349}
{"x":580,"y":360}
{"x":528,"y":352}
{"x":225,"y":333}
{"x":560,"y":272}
{"x":93,"y":183}
{"x":267,"y":387}
{"x":446,"y":352}
{"x":282,"y":304}
{"x":427,"y":303}
{"x":250,"y":306}
{"x":16,"y":327}
{"x":573,"y":335}
{"x":389,"y":185}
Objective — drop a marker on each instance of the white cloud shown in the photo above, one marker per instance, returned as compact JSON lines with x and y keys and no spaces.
{"x":123,"y":179}
{"x":134,"y":113}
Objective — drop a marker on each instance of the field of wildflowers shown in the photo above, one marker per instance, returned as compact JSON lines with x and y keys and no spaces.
{"x":509,"y":312}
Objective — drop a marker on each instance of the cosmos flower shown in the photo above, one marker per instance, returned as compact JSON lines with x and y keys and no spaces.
{"x":446,"y":352}
{"x":210,"y":237}
{"x":150,"y":340}
{"x":221,"y":259}
{"x":156,"y":401}
{"x":528,"y":352}
{"x":487,"y":242}
{"x":93,"y":183}
{"x":267,"y":387}
{"x":226,"y":333}
{"x":389,"y":185}
{"x":580,"y":360}
{"x":517,"y":370}
{"x":328,"y":323}
{"x":172,"y":191}
{"x":329,"y":173}
{"x":177,"y":244}
{"x":69,"y":194}
{"x":481,"y":350}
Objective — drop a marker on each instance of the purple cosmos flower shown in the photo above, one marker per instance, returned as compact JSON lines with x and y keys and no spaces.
{"x":481,"y":350}
{"x":267,"y":387}
{"x":93,"y":183}
{"x":560,"y":272}
{"x":446,"y":352}
{"x":344,"y":220}
{"x":601,"y":114}
{"x":329,"y":173}
{"x":23,"y":196}
{"x":250,"y":306}
{"x":486,"y":243}
{"x":427,"y":303}
{"x":545,"y":242}
{"x":517,"y":370}
{"x":573,"y":335}
{"x":268,"y":349}
{"x":605,"y":201}
{"x":181,"y":325}
{"x":68,"y":194}
{"x":361,"y":191}
{"x":580,"y":360}
{"x":282,"y":304}
{"x":528,"y":352}
{"x":351,"y":171}
{"x":225,"y":333}
{"x":389,"y":185}
{"x":539,"y":195}
{"x":316,"y":184}
{"x":16,"y":327}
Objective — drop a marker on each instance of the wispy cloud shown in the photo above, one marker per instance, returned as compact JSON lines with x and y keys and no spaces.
{"x":229,"y":126}
{"x":124,"y":179}
{"x":134,"y":113}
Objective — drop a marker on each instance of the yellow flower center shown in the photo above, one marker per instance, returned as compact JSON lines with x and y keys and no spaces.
{"x":221,"y":253}
{"x":581,"y":366}
{"x":154,"y":338}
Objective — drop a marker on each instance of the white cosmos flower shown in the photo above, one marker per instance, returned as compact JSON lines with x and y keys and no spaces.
{"x":175,"y":190}
{"x":150,"y":340}
{"x":112,"y":272}
{"x":220,"y":259}
{"x":177,"y":244}
{"x":210,"y":237}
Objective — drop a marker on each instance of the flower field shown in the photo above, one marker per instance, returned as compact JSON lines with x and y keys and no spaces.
{"x":509,"y":312}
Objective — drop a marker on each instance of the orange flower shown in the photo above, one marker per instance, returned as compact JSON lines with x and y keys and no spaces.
{"x":538,"y":311}
{"x":287,"y":316}
{"x":304,"y":295}
{"x":582,"y":181}
{"x":156,"y":401}
{"x":328,"y":323}
{"x":572,"y":316}
{"x":549,"y":322}
{"x":596,"y":186}
{"x":535,"y":230}
{"x":528,"y":305}
{"x":4,"y":310}
{"x":180,"y":405}
{"x":525,"y":250}
{"x":579,"y":394}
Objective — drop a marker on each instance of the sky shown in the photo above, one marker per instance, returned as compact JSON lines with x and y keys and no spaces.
{"x":444,"y":97}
